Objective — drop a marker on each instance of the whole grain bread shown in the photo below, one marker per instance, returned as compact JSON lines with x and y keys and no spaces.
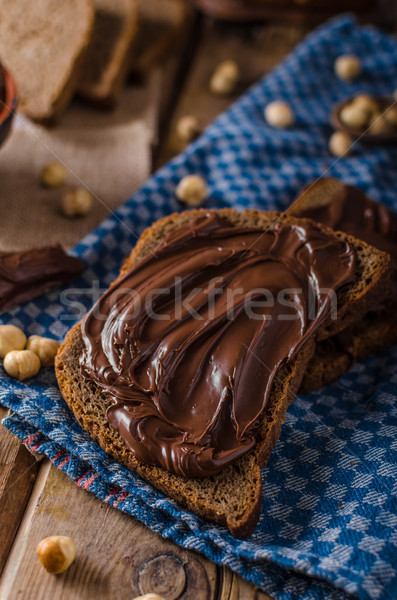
{"x":109,"y":53}
{"x":233,"y":497}
{"x":43,"y":44}
{"x":377,"y":330}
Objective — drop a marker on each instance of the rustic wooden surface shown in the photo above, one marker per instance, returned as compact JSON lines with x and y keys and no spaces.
{"x":117,"y":557}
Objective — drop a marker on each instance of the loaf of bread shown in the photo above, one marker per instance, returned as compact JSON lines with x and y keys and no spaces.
{"x":377,"y":331}
{"x":233,"y":496}
{"x":109,"y":53}
{"x":43,"y":45}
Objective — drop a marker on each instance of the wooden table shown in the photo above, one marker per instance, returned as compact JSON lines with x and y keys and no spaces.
{"x":118,"y":557}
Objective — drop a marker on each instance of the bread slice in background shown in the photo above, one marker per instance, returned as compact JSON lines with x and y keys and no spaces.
{"x":377,"y":330}
{"x":160,"y":22}
{"x":233,"y":497}
{"x":108,"y":57}
{"x":42,"y":43}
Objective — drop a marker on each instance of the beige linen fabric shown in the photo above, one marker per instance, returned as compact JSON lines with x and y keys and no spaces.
{"x":108,"y":153}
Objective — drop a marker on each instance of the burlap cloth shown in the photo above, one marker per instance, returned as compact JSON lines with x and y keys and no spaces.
{"x":108,"y":153}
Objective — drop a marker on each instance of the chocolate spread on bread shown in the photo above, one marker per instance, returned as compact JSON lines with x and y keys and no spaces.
{"x":351,"y":211}
{"x":27,"y":274}
{"x":190,"y":379}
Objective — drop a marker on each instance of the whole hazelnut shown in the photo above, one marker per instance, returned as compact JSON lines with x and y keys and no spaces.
{"x":192,"y":190}
{"x":391,"y":115}
{"x":149,"y":597}
{"x":21,"y":364}
{"x":56,"y":553}
{"x":353,"y":117}
{"x":53,"y":175}
{"x":188,"y":128}
{"x":45,"y":348}
{"x":340,"y":143}
{"x":225,"y":77}
{"x":366,"y":103}
{"x":76,"y":203}
{"x":378,"y":124}
{"x":348,"y":67}
{"x":11,"y":338}
{"x":279,"y":114}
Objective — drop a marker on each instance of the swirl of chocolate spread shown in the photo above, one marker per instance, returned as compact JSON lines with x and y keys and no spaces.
{"x":349,"y":209}
{"x":230,"y":305}
{"x":29,"y":273}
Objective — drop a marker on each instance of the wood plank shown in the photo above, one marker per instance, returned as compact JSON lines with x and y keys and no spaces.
{"x":116,"y":556}
{"x":18,"y":471}
{"x":256,"y":49}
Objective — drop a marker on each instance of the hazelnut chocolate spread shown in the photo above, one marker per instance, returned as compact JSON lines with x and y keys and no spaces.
{"x":27,"y":274}
{"x":189,"y":382}
{"x":355,"y":213}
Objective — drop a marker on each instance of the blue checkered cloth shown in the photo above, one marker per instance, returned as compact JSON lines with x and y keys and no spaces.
{"x":329,"y":518}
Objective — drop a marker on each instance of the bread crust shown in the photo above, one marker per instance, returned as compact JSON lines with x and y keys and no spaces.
{"x":213,"y":498}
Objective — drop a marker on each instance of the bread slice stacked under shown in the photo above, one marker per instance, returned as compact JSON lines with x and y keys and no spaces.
{"x":233,"y":497}
{"x":108,"y":56}
{"x":375,"y":332}
{"x":42,"y":43}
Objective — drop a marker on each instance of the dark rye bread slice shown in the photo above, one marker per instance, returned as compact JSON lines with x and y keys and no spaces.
{"x":109,"y":54}
{"x":377,"y":330}
{"x":43,"y":44}
{"x":233,"y":497}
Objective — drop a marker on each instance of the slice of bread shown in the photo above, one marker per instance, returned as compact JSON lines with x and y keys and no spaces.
{"x":376,"y":332}
{"x":233,"y":497}
{"x":160,"y":21}
{"x":43,"y":44}
{"x":108,"y":57}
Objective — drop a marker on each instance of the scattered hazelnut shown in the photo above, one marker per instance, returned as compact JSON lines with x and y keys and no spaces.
{"x":53,"y":175}
{"x":192,"y":190}
{"x":149,"y":597}
{"x":366,"y":103}
{"x":378,"y":124}
{"x":340,"y":143}
{"x":11,"y":338}
{"x":348,"y":67}
{"x":188,"y":128}
{"x":225,"y":77}
{"x":353,"y":117}
{"x":45,"y":348}
{"x":21,"y":364}
{"x":279,"y":114}
{"x":391,"y":115}
{"x":76,"y":203}
{"x":56,"y":553}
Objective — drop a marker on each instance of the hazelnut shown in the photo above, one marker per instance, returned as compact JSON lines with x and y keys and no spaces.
{"x":188,"y":128}
{"x":279,"y":114}
{"x":11,"y":338}
{"x":225,"y":77}
{"x":21,"y":364}
{"x":348,"y":67}
{"x":53,"y":175}
{"x":378,"y":124}
{"x":149,"y":597}
{"x":56,"y":553}
{"x":366,"y":103}
{"x":340,"y":143}
{"x":45,"y":348}
{"x":192,"y":190}
{"x":391,"y":115}
{"x":353,"y":117}
{"x":76,"y":203}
